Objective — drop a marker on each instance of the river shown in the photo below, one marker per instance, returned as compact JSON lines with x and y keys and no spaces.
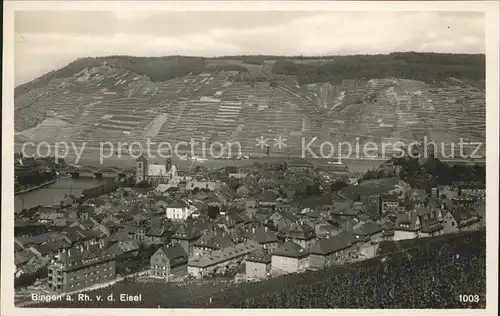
{"x":54,"y":192}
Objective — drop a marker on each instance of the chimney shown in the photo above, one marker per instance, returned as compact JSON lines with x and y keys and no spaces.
{"x":266,"y":228}
{"x":253,"y":230}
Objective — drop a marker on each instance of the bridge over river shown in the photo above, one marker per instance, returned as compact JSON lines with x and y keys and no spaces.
{"x":96,"y":172}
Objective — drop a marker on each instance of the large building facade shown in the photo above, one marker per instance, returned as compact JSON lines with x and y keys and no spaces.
{"x":81,"y":267}
{"x":155,"y":174}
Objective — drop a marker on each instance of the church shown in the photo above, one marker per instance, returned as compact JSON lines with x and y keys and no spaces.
{"x":155,"y":174}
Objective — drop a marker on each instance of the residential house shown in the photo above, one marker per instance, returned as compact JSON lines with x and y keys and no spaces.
{"x":326,"y":230}
{"x":239,"y":175}
{"x":477,"y":191}
{"x":33,"y":265}
{"x":285,"y":222}
{"x":22,"y":257}
{"x":164,"y":187}
{"x":232,"y":221}
{"x":331,"y":250}
{"x":448,"y":191}
{"x":221,"y":260}
{"x":431,"y":227}
{"x":373,"y":201}
{"x":341,"y":211}
{"x":211,"y":242}
{"x":464,"y":201}
{"x":258,"y":265}
{"x":368,"y":232}
{"x":86,"y":237}
{"x":178,"y":211}
{"x":417,"y":195}
{"x":289,"y":257}
{"x":49,"y":215}
{"x":390,"y":204}
{"x":156,"y":235}
{"x":266,"y":238}
{"x":44,"y":250}
{"x":203,"y":185}
{"x":465,"y":219}
{"x":387,"y":230}
{"x":407,"y":226}
{"x":300,"y":233}
{"x":167,"y":258}
{"x":124,"y":249}
{"x":251,"y":203}
{"x":81,"y":267}
{"x":186,"y":236}
{"x":268,"y":199}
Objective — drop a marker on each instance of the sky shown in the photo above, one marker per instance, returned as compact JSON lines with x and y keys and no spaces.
{"x":48,"y":40}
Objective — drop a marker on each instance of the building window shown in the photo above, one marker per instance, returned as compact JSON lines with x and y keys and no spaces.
{"x":453,"y":224}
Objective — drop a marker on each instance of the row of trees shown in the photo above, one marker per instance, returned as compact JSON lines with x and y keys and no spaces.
{"x":435,"y":172}
{"x":417,"y":66}
{"x":34,"y":177}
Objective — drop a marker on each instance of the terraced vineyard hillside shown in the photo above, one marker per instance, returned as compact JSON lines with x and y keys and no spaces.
{"x":231,"y":100}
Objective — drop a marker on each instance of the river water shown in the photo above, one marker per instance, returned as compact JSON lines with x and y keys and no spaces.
{"x":54,"y":192}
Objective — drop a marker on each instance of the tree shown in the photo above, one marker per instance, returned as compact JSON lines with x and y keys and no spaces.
{"x":233,"y":183}
{"x":144,"y":185}
{"x":338,"y":185}
{"x":213,"y":211}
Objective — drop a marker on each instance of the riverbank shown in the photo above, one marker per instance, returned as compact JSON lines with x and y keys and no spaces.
{"x":37,"y":187}
{"x":55,"y":192}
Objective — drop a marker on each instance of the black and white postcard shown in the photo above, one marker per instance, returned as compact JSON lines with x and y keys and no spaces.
{"x":250,"y":155}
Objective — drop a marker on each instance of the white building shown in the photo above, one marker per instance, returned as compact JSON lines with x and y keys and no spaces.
{"x":289,"y":258}
{"x":178,"y":211}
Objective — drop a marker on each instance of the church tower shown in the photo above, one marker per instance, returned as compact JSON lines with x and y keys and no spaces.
{"x":168,"y":161}
{"x":141,"y":169}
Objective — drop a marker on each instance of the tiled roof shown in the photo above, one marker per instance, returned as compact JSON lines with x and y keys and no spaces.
{"x":44,"y":249}
{"x":268,"y":196}
{"x":176,"y":254}
{"x":291,"y":250}
{"x":212,"y":240}
{"x":224,"y":254}
{"x":332,"y":244}
{"x":260,"y":235}
{"x":156,"y":232}
{"x":186,"y":232}
{"x":260,"y":256}
{"x":406,"y":222}
{"x":123,"y":247}
{"x":76,"y":257}
{"x":300,"y":230}
{"x":368,"y":229}
{"x":21,"y":257}
{"x":431,"y":226}
{"x":177,"y":204}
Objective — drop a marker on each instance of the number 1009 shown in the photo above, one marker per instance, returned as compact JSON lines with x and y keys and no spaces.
{"x":469,"y":298}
